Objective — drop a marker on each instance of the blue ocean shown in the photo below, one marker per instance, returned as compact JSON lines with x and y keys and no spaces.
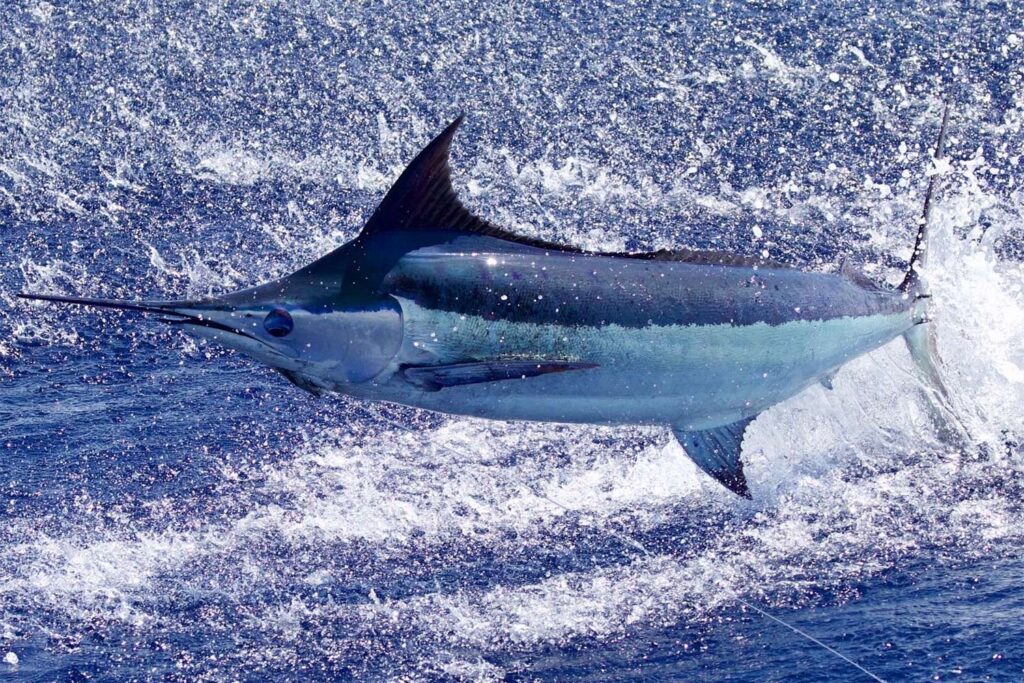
{"x":171,"y":511}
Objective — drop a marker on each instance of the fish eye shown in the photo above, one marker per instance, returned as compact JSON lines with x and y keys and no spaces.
{"x":278,"y":323}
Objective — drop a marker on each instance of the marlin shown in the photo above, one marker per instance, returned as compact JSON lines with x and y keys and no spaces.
{"x":433,"y":307}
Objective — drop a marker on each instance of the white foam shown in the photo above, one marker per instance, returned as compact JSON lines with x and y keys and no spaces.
{"x":848,"y":484}
{"x":774,"y":65}
{"x":86,"y":576}
{"x":232,"y":166}
{"x":186,"y":273}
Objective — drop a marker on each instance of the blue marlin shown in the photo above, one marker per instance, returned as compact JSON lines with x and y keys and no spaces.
{"x":433,"y":307}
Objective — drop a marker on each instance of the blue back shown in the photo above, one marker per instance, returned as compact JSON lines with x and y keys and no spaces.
{"x":500,"y":279}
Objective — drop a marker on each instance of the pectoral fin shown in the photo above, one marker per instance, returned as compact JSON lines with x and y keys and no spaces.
{"x":437,"y":377}
{"x":717,"y":452}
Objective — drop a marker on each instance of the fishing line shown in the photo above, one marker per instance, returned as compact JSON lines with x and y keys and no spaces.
{"x":636,"y":544}
{"x":632,"y":542}
{"x":809,"y":637}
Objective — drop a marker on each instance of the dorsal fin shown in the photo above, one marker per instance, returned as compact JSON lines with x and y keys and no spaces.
{"x":423,"y":197}
{"x":423,"y":200}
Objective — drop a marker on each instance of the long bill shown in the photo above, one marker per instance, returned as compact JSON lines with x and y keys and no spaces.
{"x":173,"y":312}
{"x":161,"y":307}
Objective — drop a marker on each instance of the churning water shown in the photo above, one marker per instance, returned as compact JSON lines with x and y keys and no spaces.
{"x":174,"y":512}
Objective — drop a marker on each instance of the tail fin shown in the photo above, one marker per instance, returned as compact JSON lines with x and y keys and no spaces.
{"x":912,"y":283}
{"x":921,"y":341}
{"x":921,"y":337}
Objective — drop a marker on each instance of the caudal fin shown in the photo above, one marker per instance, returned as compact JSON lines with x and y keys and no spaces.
{"x":912,"y":283}
{"x":921,"y":337}
{"x":921,"y":343}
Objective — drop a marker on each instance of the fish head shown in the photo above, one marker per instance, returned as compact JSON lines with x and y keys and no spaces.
{"x":297,"y":327}
{"x":327,"y":341}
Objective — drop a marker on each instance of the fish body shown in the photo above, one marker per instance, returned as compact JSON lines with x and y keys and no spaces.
{"x":697,"y":344}
{"x":433,"y":307}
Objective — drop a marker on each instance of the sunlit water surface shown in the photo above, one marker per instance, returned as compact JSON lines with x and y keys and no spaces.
{"x":175,"y":512}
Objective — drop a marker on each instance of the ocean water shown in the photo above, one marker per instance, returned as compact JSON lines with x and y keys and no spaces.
{"x":172,"y":511}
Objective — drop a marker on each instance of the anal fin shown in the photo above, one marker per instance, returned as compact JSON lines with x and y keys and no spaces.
{"x":437,"y":377}
{"x":717,"y":452}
